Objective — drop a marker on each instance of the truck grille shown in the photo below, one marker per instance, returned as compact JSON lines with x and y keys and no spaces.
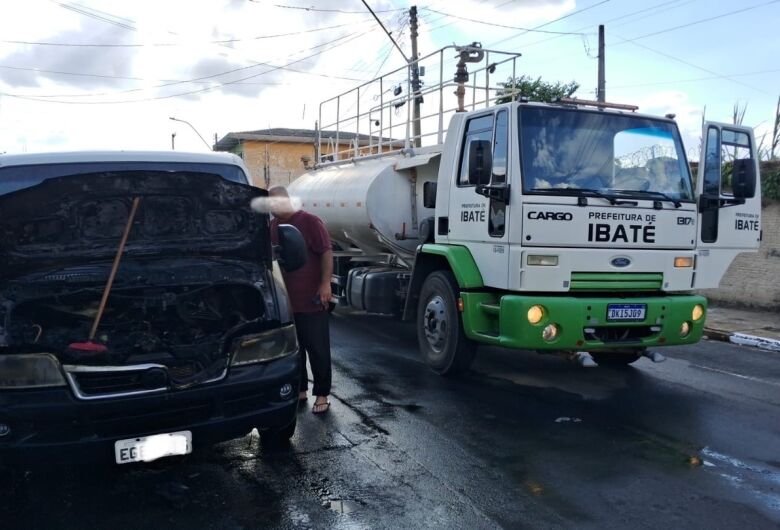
{"x":616,"y":281}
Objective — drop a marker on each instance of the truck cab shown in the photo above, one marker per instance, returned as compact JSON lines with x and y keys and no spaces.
{"x":585,"y":225}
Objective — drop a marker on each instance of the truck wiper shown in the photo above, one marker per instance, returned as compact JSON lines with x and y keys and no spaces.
{"x":658,"y":194}
{"x":583,"y":192}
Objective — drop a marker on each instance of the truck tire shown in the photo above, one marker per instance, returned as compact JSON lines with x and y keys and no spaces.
{"x":443,"y":343}
{"x":278,"y":438}
{"x":615,"y":358}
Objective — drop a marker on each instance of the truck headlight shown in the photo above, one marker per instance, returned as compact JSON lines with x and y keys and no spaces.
{"x":535,"y":314}
{"x":697,"y":313}
{"x":33,"y":370}
{"x":264,"y":347}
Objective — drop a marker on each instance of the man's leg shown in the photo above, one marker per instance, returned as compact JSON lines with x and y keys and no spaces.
{"x":318,"y":346}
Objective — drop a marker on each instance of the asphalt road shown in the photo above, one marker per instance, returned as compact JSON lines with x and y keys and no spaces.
{"x":522,"y":441}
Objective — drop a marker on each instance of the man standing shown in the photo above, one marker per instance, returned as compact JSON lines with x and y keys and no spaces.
{"x":309,"y":290}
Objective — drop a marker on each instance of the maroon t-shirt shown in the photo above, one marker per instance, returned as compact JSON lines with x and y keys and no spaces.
{"x":304,"y":284}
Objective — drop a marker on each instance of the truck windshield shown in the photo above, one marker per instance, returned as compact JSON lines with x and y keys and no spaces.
{"x":615,"y":154}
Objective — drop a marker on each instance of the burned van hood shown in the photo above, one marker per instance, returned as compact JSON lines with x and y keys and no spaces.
{"x":80,"y":218}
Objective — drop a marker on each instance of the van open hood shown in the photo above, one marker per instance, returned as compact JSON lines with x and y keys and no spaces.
{"x":72,"y":219}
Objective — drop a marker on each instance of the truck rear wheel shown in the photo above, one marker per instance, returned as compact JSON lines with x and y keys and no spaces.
{"x":443,"y":343}
{"x":615,"y":358}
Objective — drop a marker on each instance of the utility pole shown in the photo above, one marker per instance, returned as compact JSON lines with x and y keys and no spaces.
{"x":417,"y":99}
{"x":173,"y":141}
{"x":601,"y":96}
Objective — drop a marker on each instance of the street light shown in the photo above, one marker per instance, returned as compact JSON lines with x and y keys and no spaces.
{"x":194,"y":129}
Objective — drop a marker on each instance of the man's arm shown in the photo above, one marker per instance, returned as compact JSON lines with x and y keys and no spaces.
{"x":326,"y":264}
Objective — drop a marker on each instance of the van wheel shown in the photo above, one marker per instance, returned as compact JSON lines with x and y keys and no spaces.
{"x":615,"y":358}
{"x":443,"y":343}
{"x":278,"y":438}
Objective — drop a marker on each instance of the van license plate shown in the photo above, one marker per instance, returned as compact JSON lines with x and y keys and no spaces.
{"x":626,"y":312}
{"x":149,"y":448}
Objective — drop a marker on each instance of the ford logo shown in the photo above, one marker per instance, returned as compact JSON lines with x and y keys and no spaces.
{"x":620,"y":262}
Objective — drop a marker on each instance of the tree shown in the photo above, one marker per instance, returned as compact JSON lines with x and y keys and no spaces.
{"x":534,"y":89}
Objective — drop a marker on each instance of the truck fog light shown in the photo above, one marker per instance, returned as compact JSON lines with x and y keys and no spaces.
{"x":685,"y":329}
{"x":5,"y":430}
{"x":545,"y":261}
{"x":535,"y":314}
{"x":285,"y":391}
{"x":697,"y":313}
{"x":550,"y":332}
{"x":683,"y":261}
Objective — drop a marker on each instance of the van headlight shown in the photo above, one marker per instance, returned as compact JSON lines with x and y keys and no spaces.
{"x":33,"y":370}
{"x":264,"y":347}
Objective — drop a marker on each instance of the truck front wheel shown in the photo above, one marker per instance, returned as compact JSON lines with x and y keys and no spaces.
{"x":440,"y":334}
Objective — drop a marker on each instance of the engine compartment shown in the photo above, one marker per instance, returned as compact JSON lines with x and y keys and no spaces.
{"x":189,"y":329}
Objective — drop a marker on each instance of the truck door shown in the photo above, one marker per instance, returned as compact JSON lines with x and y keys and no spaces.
{"x":729,"y":192}
{"x":479,"y":210}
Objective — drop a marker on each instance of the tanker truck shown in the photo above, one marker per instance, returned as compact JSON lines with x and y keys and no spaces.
{"x":570,"y":227}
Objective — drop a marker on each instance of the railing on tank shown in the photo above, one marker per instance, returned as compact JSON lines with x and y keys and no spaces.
{"x":480,"y":78}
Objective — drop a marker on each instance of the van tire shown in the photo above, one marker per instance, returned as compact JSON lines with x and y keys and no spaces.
{"x":278,"y":438}
{"x":443,"y":343}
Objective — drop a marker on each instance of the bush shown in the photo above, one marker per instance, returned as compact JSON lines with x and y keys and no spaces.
{"x":770,"y":180}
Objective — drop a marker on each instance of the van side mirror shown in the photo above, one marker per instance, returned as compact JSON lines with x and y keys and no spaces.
{"x":743,"y":178}
{"x":480,"y":162}
{"x":291,"y":250}
{"x":429,"y":194}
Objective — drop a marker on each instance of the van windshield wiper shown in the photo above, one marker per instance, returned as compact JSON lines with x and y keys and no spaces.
{"x":583,"y":192}
{"x":658,"y":194}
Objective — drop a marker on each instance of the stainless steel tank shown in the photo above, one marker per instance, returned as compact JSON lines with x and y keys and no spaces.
{"x":374,"y":205}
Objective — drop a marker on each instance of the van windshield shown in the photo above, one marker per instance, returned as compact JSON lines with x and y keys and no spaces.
{"x":569,"y":149}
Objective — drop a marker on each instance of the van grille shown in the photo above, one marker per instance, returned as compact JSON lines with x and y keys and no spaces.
{"x":616,"y":281}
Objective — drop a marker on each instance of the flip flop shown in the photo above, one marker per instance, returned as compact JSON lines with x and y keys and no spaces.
{"x":326,"y":408}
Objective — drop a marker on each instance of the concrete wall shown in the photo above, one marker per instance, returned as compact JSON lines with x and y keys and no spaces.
{"x":284,"y":160}
{"x":753,"y":280}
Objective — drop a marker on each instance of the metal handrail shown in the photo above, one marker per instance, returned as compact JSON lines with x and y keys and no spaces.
{"x":385,"y":114}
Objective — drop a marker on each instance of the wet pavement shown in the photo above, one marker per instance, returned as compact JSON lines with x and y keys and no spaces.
{"x":523,"y":441}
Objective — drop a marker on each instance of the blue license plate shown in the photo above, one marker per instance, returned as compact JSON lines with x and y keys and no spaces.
{"x":626,"y":312}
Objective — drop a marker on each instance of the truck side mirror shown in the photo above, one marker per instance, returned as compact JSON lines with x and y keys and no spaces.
{"x":480,"y":162}
{"x":291,"y":250}
{"x":743,"y":178}
{"x":429,"y":194}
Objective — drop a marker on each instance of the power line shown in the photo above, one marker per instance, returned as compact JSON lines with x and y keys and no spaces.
{"x":191,"y":92}
{"x":164,"y":44}
{"x":695,"y":79}
{"x":701,"y":21}
{"x":320,"y":10}
{"x":688,"y":63}
{"x":389,"y":35}
{"x":83,"y":10}
{"x":573,"y":13}
{"x":500,"y":25}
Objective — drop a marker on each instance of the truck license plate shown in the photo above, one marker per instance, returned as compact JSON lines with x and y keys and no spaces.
{"x":626,"y":312}
{"x":148,"y":448}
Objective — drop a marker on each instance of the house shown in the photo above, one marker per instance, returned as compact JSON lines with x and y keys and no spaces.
{"x":280,"y":155}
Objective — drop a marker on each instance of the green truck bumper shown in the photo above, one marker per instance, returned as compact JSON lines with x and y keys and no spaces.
{"x":581,"y":322}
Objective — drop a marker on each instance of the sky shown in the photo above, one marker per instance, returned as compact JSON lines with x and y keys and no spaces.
{"x":109,"y":74}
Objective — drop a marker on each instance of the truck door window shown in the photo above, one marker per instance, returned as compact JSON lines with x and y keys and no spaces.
{"x":477,"y":129}
{"x":497,"y":218}
{"x":734,"y":146}
{"x":712,"y":164}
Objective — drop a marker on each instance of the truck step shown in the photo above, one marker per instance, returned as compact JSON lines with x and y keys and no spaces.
{"x":490,"y":309}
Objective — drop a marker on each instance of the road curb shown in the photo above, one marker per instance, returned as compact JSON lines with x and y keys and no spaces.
{"x":743,"y":339}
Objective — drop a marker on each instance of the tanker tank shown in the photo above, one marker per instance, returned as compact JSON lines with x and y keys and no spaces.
{"x":374,"y":205}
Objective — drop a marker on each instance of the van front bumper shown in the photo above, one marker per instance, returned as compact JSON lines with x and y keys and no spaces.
{"x":52,"y":422}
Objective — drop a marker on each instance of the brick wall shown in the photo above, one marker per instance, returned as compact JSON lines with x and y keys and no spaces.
{"x":754,"y":279}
